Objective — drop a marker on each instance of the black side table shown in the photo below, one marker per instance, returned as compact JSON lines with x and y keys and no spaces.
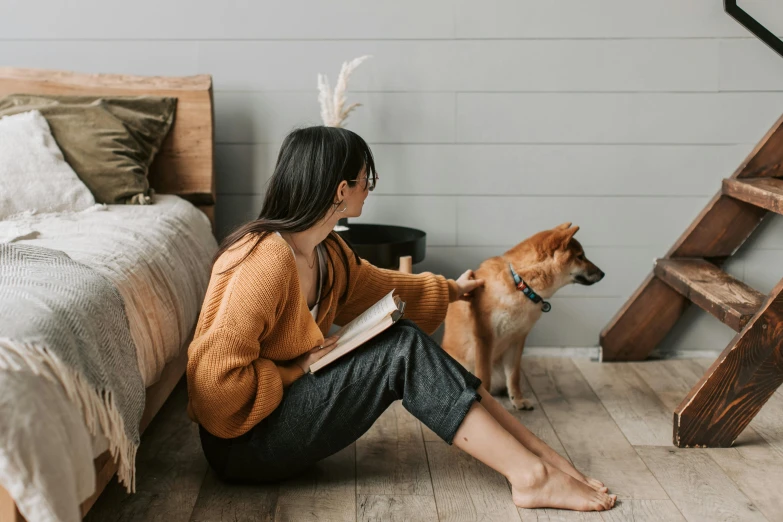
{"x":386,"y":246}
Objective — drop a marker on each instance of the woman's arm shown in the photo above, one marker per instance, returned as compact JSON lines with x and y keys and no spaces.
{"x":426,"y":295}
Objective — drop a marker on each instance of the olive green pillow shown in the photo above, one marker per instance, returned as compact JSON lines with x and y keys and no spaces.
{"x":110,"y":141}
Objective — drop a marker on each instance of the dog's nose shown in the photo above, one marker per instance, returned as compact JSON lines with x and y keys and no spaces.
{"x":601,"y":275}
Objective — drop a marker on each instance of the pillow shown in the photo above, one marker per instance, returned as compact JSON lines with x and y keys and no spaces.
{"x":33,"y":173}
{"x":109,"y":141}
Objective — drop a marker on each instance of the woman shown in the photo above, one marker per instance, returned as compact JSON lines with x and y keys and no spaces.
{"x":279,"y":282}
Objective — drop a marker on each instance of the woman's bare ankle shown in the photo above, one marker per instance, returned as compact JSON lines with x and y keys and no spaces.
{"x":531,"y":476}
{"x":546,"y":486}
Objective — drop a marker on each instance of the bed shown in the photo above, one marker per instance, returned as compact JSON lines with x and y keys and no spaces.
{"x":156,"y":255}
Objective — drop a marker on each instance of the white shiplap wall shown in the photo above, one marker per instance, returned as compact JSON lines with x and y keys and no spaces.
{"x":490,"y":120}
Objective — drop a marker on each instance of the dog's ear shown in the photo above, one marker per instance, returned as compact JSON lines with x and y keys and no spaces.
{"x":561,"y":238}
{"x":563,"y":226}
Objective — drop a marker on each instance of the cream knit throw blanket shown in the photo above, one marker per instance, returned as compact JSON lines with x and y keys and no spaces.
{"x":66,"y":322}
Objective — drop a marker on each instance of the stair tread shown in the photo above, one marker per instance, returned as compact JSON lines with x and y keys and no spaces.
{"x":727,"y":298}
{"x":762,"y":192}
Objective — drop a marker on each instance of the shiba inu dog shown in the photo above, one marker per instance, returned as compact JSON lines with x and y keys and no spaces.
{"x":487,"y":334}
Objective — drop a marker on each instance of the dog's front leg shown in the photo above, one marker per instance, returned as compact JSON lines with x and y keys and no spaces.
{"x":512,"y":367}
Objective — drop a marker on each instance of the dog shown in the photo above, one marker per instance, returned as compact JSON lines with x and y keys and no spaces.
{"x":487,"y":333}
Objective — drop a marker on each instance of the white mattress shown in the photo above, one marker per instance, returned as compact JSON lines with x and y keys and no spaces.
{"x":159,"y":258}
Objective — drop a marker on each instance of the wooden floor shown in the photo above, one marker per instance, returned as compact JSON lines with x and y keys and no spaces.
{"x":613,"y":421}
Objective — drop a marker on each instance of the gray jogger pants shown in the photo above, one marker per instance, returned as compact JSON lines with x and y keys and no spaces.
{"x":322,"y":413}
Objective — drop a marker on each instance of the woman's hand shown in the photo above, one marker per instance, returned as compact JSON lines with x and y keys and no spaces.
{"x":467,"y":283}
{"x":306,"y":359}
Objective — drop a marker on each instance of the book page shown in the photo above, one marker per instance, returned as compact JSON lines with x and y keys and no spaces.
{"x":367,"y":319}
{"x":352,"y":343}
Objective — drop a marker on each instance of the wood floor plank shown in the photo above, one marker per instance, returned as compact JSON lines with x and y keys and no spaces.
{"x":698,"y":486}
{"x":391,"y":459}
{"x":593,"y":440}
{"x":756,"y":469}
{"x":410,"y":508}
{"x":671,"y":380}
{"x":170,"y":469}
{"x":327,"y":491}
{"x":643,"y":511}
{"x":633,"y":405}
{"x":466,"y":489}
{"x":557,"y":515}
{"x":751,"y":463}
{"x":222,"y":502}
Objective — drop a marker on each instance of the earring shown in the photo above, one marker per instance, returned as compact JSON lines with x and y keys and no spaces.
{"x":344,"y":209}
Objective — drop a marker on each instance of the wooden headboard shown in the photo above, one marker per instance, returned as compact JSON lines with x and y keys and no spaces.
{"x":185,"y":164}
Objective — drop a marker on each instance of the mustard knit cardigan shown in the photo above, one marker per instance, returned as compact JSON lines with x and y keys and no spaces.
{"x":255,"y":320}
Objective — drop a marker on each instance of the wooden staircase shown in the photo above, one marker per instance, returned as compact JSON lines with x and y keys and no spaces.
{"x":750,"y":368}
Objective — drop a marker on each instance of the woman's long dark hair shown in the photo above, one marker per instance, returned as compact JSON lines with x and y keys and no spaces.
{"x":312,"y":163}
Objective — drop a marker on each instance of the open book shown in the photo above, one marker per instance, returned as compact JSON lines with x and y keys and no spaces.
{"x":373,"y":321}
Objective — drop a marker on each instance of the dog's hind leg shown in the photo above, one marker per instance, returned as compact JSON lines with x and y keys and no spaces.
{"x":512,"y":366}
{"x":483,"y":355}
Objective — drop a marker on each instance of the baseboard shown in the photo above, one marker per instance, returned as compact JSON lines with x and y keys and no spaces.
{"x":594,"y":353}
{"x":571,"y":352}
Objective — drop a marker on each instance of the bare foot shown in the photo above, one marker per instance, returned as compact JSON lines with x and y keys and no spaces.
{"x":551,"y":488}
{"x":566,"y":467}
{"x":590,"y":481}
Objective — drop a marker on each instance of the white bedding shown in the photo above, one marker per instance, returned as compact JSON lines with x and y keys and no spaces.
{"x":159,"y":258}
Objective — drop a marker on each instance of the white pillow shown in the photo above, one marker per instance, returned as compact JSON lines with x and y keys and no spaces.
{"x":34,"y":176}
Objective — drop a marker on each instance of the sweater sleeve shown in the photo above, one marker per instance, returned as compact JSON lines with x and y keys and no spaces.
{"x":231,"y":388}
{"x":426,"y":295}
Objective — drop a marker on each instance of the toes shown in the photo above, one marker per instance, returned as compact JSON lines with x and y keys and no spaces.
{"x":607,"y":501}
{"x":597,"y":486}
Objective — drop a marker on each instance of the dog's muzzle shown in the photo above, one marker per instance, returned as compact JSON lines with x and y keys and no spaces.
{"x":589,"y":280}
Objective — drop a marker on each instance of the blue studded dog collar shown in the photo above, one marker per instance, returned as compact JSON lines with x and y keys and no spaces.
{"x":533,"y":296}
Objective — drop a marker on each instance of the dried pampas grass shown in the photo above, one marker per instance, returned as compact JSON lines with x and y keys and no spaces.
{"x":333,"y":110}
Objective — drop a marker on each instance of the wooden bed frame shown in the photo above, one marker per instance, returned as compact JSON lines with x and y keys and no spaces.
{"x":184,"y":166}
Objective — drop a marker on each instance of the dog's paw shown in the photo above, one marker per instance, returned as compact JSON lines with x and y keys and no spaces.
{"x":521,"y":404}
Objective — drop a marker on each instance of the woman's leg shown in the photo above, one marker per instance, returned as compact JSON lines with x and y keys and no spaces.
{"x":534,"y":482}
{"x":324,"y":412}
{"x":538,"y":447}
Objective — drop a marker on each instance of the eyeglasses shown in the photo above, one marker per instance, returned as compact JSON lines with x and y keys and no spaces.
{"x":369,"y":182}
